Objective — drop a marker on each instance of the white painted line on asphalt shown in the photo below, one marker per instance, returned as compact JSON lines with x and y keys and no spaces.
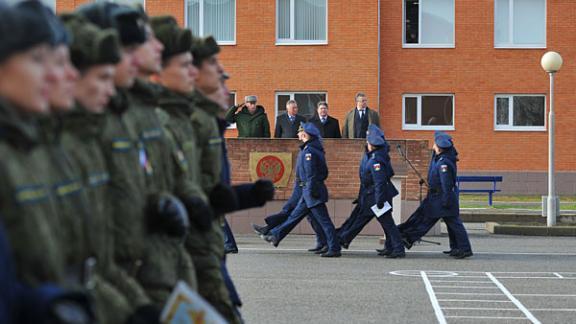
{"x":475,"y":294}
{"x":554,"y":310}
{"x":483,"y":309}
{"x":545,"y":295}
{"x":433,"y":300}
{"x":553,"y":278}
{"x":474,"y":300}
{"x":489,"y":317}
{"x":513,"y":299}
{"x":465,"y":287}
{"x":558,"y":275}
{"x":464,"y":281}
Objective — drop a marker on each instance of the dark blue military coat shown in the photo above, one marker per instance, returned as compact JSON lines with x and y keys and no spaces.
{"x":443,"y":194}
{"x":312,"y":171}
{"x":375,"y":178}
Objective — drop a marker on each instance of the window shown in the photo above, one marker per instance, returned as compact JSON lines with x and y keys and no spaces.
{"x":428,"y":23}
{"x":50,"y":3}
{"x":428,"y":112}
{"x":301,"y":22}
{"x":128,"y":2}
{"x":520,"y":112}
{"x":232,"y":102}
{"x":212,"y":17}
{"x":306,"y":102}
{"x":520,"y":23}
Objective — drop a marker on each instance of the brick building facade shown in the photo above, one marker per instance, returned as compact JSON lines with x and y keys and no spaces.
{"x":469,"y":67}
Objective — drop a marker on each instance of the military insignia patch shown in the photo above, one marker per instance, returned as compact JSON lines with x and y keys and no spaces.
{"x":308,"y":156}
{"x":444,"y":168}
{"x":376,"y":166}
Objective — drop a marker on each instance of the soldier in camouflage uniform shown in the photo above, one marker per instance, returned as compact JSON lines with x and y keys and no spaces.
{"x":27,"y":202}
{"x":95,"y":53}
{"x":210,"y":96}
{"x":189,"y":127}
{"x":143,"y":171}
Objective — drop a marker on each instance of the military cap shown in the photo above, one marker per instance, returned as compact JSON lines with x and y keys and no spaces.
{"x":128,"y":21}
{"x":309,"y":129}
{"x":91,"y":45}
{"x":250,"y":99}
{"x":375,"y":136}
{"x":176,"y":40}
{"x":442,"y":140}
{"x":22,"y":28}
{"x":203,"y":48}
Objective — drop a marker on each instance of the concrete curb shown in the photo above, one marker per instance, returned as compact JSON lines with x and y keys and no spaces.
{"x":518,"y":217}
{"x":532,"y":230}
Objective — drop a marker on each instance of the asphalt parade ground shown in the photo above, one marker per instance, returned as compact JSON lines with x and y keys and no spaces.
{"x":510,"y":279}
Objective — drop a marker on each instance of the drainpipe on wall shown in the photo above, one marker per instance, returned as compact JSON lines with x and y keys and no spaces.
{"x":379,"y":103}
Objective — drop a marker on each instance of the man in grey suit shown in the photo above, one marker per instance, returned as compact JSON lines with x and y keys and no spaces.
{"x":358,"y":119}
{"x":287,"y":124}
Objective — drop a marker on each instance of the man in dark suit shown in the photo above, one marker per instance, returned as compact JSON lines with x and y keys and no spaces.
{"x":287,"y":124}
{"x":328,"y":126}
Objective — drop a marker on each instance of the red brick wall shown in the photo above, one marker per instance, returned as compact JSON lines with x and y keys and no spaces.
{"x":343,"y":158}
{"x":475,"y":71}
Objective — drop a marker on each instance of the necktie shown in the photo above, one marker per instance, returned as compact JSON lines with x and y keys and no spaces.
{"x":291,"y":118}
{"x":361,"y":114}
{"x":323,"y":120}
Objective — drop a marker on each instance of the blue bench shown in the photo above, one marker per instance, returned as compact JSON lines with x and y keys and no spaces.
{"x":489,"y":191}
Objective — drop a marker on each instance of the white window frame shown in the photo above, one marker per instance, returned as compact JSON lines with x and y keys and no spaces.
{"x":291,"y":40}
{"x":511,"y":29}
{"x":233,"y":125}
{"x":510,"y":126}
{"x":121,"y":2}
{"x":200,"y":32}
{"x":420,"y":45}
{"x":418,"y":125}
{"x":292,"y":96}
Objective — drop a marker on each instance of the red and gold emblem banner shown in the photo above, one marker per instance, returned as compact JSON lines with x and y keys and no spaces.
{"x":276,"y":167}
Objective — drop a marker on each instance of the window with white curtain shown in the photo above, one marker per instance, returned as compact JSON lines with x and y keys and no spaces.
{"x":520,"y":112}
{"x":301,"y":21}
{"x":212,"y":18}
{"x":428,"y":23}
{"x":520,"y":23}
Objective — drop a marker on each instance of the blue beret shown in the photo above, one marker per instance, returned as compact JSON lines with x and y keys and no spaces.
{"x":442,"y":140}
{"x":310,"y":129}
{"x":375,"y":136}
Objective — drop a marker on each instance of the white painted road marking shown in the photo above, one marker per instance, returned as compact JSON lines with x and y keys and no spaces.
{"x":433,"y":300}
{"x":513,"y":299}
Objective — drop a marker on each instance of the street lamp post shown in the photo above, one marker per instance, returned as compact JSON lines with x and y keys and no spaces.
{"x":551,"y":63}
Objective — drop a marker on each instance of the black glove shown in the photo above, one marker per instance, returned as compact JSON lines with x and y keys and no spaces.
{"x":223,"y":199}
{"x":263,"y":191}
{"x":380,"y":205}
{"x":166,"y":214}
{"x":199,"y":212}
{"x":147,"y":314}
{"x":70,"y":308}
{"x":355,"y":201}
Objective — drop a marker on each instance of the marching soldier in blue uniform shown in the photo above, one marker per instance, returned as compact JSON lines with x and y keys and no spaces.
{"x":311,"y":171}
{"x":277,"y":219}
{"x":376,"y":188}
{"x":442,"y":200}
